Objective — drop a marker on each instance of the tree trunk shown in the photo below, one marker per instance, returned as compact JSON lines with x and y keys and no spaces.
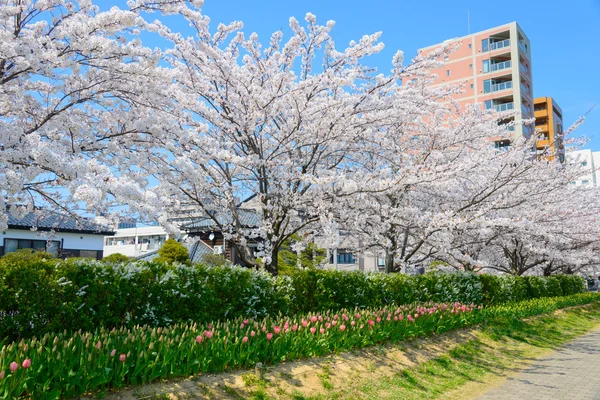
{"x":389,"y":262}
{"x":273,"y":266}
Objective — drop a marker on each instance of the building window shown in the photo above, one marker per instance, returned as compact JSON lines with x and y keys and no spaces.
{"x":447,"y":72}
{"x":470,"y":46}
{"x":487,"y":86}
{"x":446,"y":58}
{"x":584,"y":164}
{"x":472,"y":86}
{"x":88,"y":254}
{"x":470,"y":66}
{"x":381,"y":262}
{"x":485,"y":44}
{"x":485,"y":66}
{"x":344,"y":258}
{"x":12,"y":245}
{"x":488,"y":104}
{"x":585,"y":182}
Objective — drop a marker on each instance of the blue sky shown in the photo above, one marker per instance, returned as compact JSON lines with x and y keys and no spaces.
{"x":565,"y":36}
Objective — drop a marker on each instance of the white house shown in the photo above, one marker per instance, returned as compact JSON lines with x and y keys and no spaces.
{"x":62,"y":235}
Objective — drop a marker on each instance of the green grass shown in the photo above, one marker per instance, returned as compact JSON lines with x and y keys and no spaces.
{"x":496,"y":349}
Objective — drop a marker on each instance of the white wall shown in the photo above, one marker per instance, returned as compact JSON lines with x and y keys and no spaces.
{"x":590,"y":161}
{"x":75,"y":241}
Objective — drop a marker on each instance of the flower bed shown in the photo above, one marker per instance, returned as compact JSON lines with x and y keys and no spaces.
{"x":69,"y":365}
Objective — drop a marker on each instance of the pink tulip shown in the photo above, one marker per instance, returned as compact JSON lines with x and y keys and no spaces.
{"x":328,"y":325}
{"x":333,"y":323}
{"x":410,"y":318}
{"x":277,"y":330}
{"x":98,"y":345}
{"x":335,"y":317}
{"x":13,"y":366}
{"x":416,"y":315}
{"x":269,"y":336}
{"x":264,"y":328}
{"x":357,"y":316}
{"x":26,"y":363}
{"x":378,"y":319}
{"x":313,"y":319}
{"x":199,"y":339}
{"x":345,"y":317}
{"x":395,"y":318}
{"x":313,"y":330}
{"x":371,"y":322}
{"x":342,"y":327}
{"x":463,"y":308}
{"x":209,"y":326}
{"x":122,"y":357}
{"x":352,"y":323}
{"x":2,"y":373}
{"x":112,"y":353}
{"x":304,"y":323}
{"x":320,"y":319}
{"x":295,"y":327}
{"x":242,"y":326}
{"x":208,"y":334}
{"x":322,"y":330}
{"x":252,"y":333}
{"x":245,"y":322}
{"x":400,"y":317}
{"x":286,"y":326}
{"x":245,"y":339}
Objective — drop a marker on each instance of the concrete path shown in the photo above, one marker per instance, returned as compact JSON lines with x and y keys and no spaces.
{"x":572,"y":372}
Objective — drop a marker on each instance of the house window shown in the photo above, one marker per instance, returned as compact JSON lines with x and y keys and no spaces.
{"x":470,"y":46}
{"x":12,"y":245}
{"x":344,"y":258}
{"x":381,"y":262}
{"x":585,"y":182}
{"x":488,"y":104}
{"x":446,"y":58}
{"x":584,"y":164}
{"x":485,"y":66}
{"x":88,"y":254}
{"x":472,"y":86}
{"x":470,"y":66}
{"x":447,"y":72}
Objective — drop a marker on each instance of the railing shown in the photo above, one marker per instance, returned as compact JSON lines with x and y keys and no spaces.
{"x":523,"y":68}
{"x":525,"y":89}
{"x":522,"y":47}
{"x":499,"y":45}
{"x":504,"y":107}
{"x":502,"y":86}
{"x":526,"y":110}
{"x":500,"y":66}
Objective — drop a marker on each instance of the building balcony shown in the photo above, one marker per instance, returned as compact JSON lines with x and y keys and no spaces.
{"x":523,"y":69}
{"x":499,"y":45}
{"x":522,"y":47}
{"x":504,"y":107}
{"x":501,"y":86}
{"x":543,"y":113}
{"x":542,"y":128}
{"x":500,"y":66}
{"x":525,"y":90}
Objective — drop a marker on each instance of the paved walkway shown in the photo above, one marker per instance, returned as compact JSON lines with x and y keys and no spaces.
{"x":572,"y":372}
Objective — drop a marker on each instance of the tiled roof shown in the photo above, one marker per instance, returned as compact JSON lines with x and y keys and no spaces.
{"x":248,"y":219}
{"x":46,"y":220}
{"x":195,"y":249}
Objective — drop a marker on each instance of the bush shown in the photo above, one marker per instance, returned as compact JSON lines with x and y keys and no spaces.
{"x":116,"y":258}
{"x":44,"y":295}
{"x":173,"y":252}
{"x":25,"y":256}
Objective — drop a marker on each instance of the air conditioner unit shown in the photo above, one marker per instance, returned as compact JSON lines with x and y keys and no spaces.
{"x":219,"y":249}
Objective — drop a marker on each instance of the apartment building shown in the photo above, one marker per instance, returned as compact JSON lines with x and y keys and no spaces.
{"x":495,"y":67}
{"x":590,"y":163}
{"x":549,"y":123}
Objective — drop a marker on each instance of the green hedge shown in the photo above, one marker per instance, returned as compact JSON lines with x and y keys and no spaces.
{"x":40,"y":296}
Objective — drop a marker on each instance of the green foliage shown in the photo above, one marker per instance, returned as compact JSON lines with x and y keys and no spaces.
{"x":310,"y":258}
{"x":173,"y":252}
{"x":25,"y":256}
{"x":46,"y":295}
{"x":116,"y":258}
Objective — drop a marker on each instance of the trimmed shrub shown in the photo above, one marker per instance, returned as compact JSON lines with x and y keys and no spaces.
{"x":116,"y":258}
{"x":44,"y":295}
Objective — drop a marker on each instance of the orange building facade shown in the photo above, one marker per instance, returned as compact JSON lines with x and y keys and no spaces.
{"x":495,"y":68}
{"x":549,"y":125}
